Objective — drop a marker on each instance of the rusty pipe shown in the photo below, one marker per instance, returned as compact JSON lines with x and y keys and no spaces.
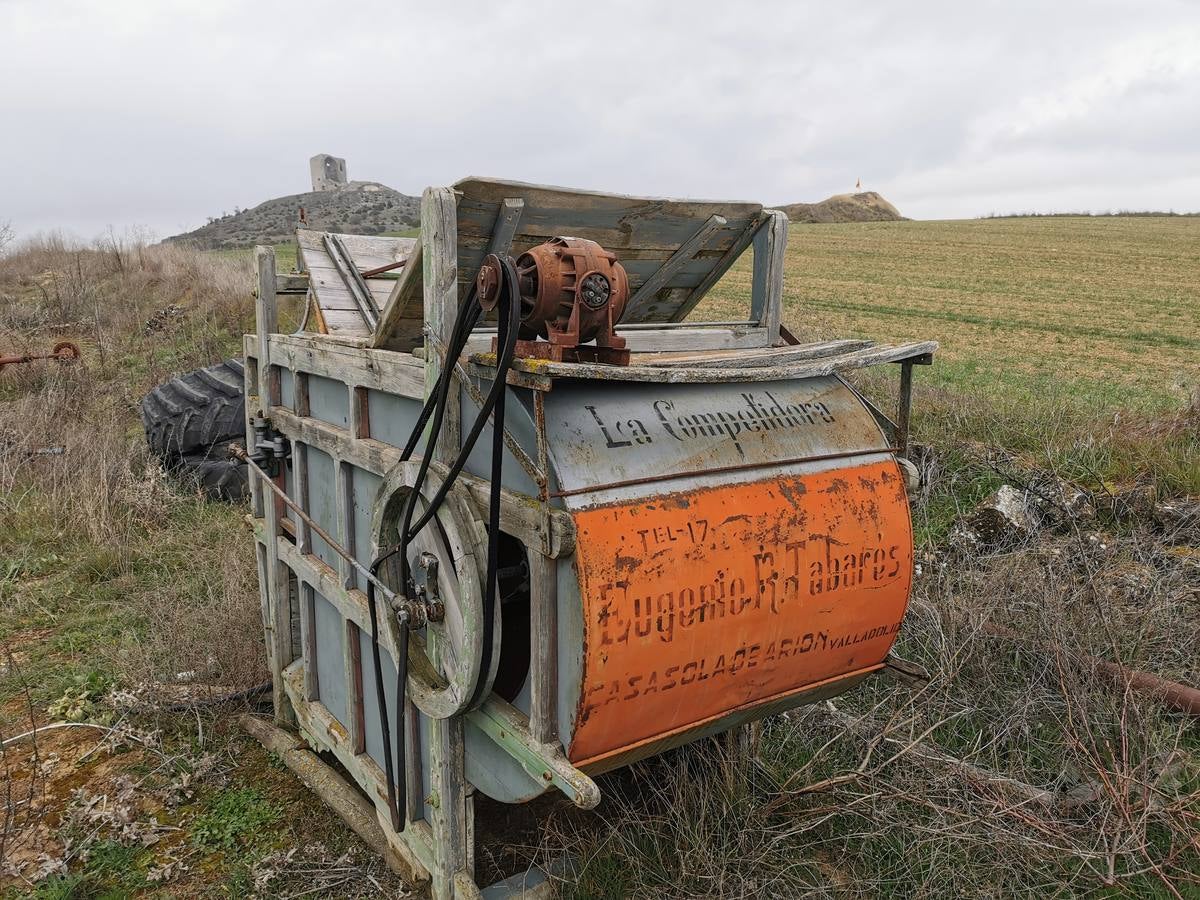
{"x":1180,"y":697}
{"x":63,"y":351}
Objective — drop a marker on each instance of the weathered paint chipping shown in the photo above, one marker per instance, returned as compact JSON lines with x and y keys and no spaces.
{"x":700,"y":603}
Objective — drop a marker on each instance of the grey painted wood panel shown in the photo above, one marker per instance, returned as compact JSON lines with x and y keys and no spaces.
{"x":331,"y":659}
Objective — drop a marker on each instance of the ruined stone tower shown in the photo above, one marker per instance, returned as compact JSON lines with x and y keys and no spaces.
{"x":328,"y":172}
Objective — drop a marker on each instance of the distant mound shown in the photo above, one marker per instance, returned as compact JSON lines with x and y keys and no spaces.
{"x":360,"y":207}
{"x":865,"y":207}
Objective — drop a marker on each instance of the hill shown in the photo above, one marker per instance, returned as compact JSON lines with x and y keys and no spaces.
{"x":865,"y":207}
{"x":360,"y":207}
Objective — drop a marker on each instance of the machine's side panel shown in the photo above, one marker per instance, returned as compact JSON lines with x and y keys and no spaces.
{"x":703,"y":602}
{"x":736,"y":544}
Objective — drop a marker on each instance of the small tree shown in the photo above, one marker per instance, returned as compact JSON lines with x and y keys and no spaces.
{"x":6,"y":235}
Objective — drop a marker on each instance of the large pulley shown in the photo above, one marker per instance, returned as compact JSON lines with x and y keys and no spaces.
{"x":448,"y":562}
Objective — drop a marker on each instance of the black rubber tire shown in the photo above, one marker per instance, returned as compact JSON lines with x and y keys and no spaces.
{"x":215,"y":473}
{"x":195,"y":411}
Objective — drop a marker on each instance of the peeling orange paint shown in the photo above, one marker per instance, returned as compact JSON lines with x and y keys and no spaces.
{"x":702,"y":603}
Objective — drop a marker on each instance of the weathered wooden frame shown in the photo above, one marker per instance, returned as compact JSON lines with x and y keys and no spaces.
{"x":438,"y":846}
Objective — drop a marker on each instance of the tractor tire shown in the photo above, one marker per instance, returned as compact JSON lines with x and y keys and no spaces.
{"x":214,"y":473}
{"x":191,"y":421}
{"x":195,"y":411}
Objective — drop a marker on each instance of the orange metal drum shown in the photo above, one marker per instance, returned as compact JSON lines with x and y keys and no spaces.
{"x":701,"y":603}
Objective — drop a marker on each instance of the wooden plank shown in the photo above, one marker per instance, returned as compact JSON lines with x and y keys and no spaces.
{"x":308,"y":637}
{"x":360,"y":412}
{"x":397,"y":373}
{"x":300,"y":468}
{"x":736,"y":249}
{"x":367,"y":251}
{"x":666,"y":339}
{"x":627,"y":220}
{"x":766,"y":299}
{"x":640,"y":230}
{"x":551,"y":531}
{"x":763,"y":356}
{"x":357,"y":726}
{"x":506,"y":225}
{"x":543,"y":657}
{"x":352,"y":278}
{"x":635,"y":311}
{"x":291,"y":283}
{"x":278,"y":624}
{"x":439,"y":256}
{"x":395,"y":331}
{"x":341,"y":321}
{"x":696,"y":375}
{"x":331,"y":293}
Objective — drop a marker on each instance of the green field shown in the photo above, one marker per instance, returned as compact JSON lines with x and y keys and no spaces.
{"x":1103,"y":308}
{"x":1070,"y":347}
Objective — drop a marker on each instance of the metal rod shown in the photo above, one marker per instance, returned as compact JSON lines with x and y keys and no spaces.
{"x":337,"y":548}
{"x":379,"y":270}
{"x":670,"y":476}
{"x":650,"y":326}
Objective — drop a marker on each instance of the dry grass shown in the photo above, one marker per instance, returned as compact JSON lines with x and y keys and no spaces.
{"x":1018,"y":770}
{"x":109,"y":573}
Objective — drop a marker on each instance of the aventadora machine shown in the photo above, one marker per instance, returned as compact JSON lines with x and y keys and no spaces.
{"x":520,"y":523}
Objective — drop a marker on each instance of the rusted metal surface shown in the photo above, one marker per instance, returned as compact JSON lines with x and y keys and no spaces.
{"x":379,"y":270}
{"x":63,"y":351}
{"x":702,"y":602}
{"x":573,"y":293}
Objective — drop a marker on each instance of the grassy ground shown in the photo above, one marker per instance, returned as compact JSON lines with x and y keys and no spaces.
{"x":1103,"y":310}
{"x":1068,"y":345}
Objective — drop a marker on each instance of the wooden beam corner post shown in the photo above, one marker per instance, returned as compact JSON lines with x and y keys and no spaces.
{"x":452,"y":819}
{"x":274,"y":584}
{"x":766,"y":299}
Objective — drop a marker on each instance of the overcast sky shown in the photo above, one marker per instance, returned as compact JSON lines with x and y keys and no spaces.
{"x":159,"y":114}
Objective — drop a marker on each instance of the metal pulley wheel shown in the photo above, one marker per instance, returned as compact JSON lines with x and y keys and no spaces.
{"x":445,"y":653}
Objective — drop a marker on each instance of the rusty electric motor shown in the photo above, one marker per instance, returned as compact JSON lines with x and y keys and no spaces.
{"x":573,"y":292}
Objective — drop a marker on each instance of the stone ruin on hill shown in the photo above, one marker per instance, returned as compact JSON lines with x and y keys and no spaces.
{"x":328,"y":172}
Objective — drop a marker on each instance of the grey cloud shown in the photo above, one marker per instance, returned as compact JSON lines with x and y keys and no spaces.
{"x":159,"y":114}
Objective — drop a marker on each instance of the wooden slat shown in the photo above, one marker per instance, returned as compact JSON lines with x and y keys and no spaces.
{"x":339,"y":313}
{"x":549,"y":531}
{"x":697,"y":375}
{"x":766,"y":300}
{"x":439,"y":256}
{"x":401,"y":319}
{"x":272,"y":579}
{"x":398,"y":373}
{"x":642,"y":231}
{"x":766,"y":356}
{"x":695,"y":337}
{"x":543,"y":642}
{"x":367,"y":251}
{"x":635,"y":311}
{"x":736,"y":249}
